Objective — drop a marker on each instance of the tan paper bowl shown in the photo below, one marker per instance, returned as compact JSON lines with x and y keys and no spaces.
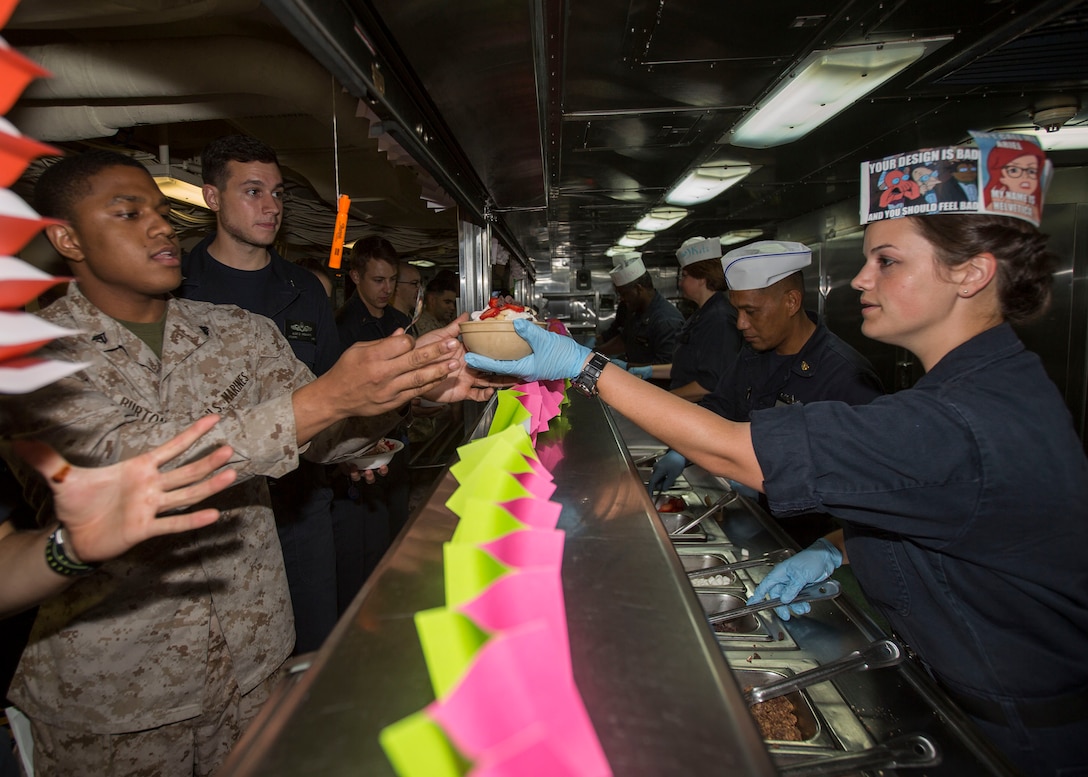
{"x":376,"y":460}
{"x":495,"y":339}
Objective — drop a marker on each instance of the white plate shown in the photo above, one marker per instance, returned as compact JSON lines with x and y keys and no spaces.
{"x":375,"y":460}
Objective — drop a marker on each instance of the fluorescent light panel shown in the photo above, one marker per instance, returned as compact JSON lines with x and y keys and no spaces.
{"x":740,"y":235}
{"x":634,"y":238}
{"x":826,"y":83}
{"x":660,"y":218}
{"x":421,"y":262}
{"x":706,"y":183}
{"x":1066,"y":139}
{"x":181,"y":191}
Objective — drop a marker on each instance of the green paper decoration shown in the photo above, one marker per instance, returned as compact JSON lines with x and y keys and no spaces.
{"x":488,"y":522}
{"x":485,"y":483}
{"x":450,"y":642}
{"x":469,"y":571}
{"x":418,"y":747}
{"x":508,"y":412}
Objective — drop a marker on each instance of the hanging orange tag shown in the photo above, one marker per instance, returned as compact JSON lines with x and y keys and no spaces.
{"x":339,"y":231}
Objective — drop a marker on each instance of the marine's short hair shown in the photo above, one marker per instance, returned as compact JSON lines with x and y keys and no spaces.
{"x":445,"y":280}
{"x":232,"y":148}
{"x":67,"y":181}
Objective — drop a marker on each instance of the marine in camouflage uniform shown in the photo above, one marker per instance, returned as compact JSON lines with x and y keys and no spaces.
{"x":130,"y":647}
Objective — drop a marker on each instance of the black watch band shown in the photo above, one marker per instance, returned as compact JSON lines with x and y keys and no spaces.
{"x":58,"y":559}
{"x":586,"y":382}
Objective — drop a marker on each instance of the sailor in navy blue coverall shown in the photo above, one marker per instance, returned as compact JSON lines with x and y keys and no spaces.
{"x":374,"y":513}
{"x":815,"y":365}
{"x":248,"y":219}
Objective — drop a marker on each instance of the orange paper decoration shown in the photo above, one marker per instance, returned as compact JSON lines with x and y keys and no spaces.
{"x":338,"y":233}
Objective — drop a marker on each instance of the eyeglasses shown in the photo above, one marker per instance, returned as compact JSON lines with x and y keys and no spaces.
{"x":1016,"y":172}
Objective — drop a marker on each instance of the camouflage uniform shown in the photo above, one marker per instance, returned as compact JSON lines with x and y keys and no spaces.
{"x":126,"y":648}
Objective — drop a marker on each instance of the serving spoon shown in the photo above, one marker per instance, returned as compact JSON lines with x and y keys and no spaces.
{"x":813,"y":592}
{"x":773,"y":557}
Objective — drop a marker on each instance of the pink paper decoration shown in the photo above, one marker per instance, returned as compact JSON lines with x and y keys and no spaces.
{"x":536,"y":513}
{"x":524,"y":599}
{"x":529,"y":548}
{"x":516,"y":683}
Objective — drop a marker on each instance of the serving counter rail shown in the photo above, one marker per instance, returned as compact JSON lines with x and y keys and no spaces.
{"x":660,"y":686}
{"x":651,"y":674}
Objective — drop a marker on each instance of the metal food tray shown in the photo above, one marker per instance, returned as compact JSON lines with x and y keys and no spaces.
{"x":825,"y":719}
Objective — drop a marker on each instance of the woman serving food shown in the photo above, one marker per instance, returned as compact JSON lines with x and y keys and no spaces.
{"x":964,"y":498}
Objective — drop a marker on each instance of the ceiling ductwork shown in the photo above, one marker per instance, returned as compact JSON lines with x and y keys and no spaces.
{"x":66,"y":14}
{"x":98,"y":89}
{"x":129,"y":83}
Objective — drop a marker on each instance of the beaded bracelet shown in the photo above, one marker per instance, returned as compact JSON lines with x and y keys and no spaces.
{"x":59,"y":561}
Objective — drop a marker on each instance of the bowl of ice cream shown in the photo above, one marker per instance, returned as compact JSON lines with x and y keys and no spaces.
{"x":491,"y":332}
{"x":378,"y":455}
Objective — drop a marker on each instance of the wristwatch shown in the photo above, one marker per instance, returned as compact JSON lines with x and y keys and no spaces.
{"x":586,"y":382}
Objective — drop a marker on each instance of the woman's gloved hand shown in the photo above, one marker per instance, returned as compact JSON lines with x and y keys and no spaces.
{"x":618,"y":362}
{"x":666,"y":471}
{"x":814,"y":564}
{"x":553,"y":357}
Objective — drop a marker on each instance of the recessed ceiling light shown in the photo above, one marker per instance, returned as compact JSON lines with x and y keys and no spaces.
{"x":740,"y":235}
{"x":707,"y":182}
{"x":634,"y":238}
{"x":660,"y":218}
{"x":826,"y":83}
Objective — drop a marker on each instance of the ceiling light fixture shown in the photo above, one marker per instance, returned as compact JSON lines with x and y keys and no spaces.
{"x":421,"y":262}
{"x":181,"y":191}
{"x":660,"y":218}
{"x":707,"y":182}
{"x":826,"y":83}
{"x":633,"y":238}
{"x":740,"y":235}
{"x":1065,"y":139}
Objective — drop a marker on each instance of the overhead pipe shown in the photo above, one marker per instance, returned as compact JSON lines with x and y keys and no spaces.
{"x":276,"y":80}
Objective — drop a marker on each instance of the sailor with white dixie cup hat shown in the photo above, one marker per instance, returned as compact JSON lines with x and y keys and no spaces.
{"x":708,"y":342}
{"x":789,"y":355}
{"x":652,"y":322}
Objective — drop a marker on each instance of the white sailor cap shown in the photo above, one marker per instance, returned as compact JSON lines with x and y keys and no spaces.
{"x":629,"y":271}
{"x":764,"y":263}
{"x":698,"y":249}
{"x":622,"y":258}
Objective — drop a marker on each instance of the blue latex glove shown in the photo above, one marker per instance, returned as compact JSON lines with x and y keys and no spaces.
{"x":666,"y":471}
{"x":645,"y":372}
{"x":814,"y":564}
{"x":553,"y":357}
{"x":618,"y":362}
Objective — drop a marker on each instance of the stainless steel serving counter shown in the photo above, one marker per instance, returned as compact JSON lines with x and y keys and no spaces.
{"x":653,"y":678}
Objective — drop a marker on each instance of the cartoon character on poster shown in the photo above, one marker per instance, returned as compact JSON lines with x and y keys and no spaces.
{"x":926,"y":178}
{"x":959,"y":181}
{"x":1016,"y":173}
{"x":895,"y":188}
